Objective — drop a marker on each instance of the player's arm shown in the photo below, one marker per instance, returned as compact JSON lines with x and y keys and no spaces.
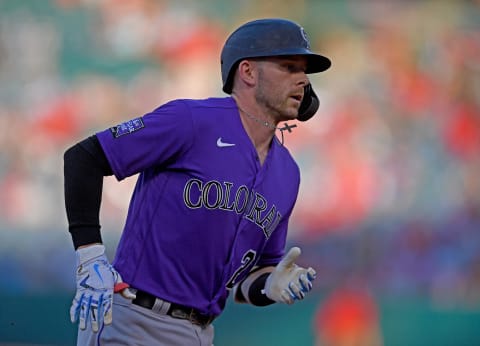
{"x":283,"y":283}
{"x":85,"y":165}
{"x":251,"y":289}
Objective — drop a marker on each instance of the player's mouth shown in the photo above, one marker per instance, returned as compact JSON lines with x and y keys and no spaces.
{"x":297,"y":97}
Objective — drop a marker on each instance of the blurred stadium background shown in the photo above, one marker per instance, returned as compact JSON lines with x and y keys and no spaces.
{"x":389,"y":209}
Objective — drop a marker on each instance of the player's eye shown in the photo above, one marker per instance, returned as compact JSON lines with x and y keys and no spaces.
{"x":294,"y":68}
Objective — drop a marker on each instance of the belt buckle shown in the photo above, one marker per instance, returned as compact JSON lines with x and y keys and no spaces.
{"x":179,"y":313}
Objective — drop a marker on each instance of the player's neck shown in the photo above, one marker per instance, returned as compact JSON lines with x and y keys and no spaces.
{"x":260,"y":130}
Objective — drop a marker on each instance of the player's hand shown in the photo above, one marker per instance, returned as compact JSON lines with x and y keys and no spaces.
{"x":289,"y":282}
{"x":96,"y":279}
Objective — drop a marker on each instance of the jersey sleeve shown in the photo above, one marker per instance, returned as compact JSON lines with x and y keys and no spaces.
{"x":154,"y":139}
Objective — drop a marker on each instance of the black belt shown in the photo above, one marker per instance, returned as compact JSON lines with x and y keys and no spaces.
{"x":146,"y":300}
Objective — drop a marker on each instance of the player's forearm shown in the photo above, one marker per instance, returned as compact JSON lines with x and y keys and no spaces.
{"x":285,"y":283}
{"x":84,"y":168}
{"x":251,"y":290}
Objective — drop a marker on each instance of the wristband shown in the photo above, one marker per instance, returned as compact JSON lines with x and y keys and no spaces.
{"x":256,"y":294}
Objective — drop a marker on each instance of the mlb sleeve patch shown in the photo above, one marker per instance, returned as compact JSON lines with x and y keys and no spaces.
{"x":127,"y":127}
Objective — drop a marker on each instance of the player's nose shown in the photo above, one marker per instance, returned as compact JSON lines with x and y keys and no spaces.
{"x":303,"y":79}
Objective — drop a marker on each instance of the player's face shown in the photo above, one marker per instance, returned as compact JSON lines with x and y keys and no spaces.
{"x":280,"y":85}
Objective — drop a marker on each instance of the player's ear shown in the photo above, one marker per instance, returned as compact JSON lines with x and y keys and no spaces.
{"x":246,"y":72}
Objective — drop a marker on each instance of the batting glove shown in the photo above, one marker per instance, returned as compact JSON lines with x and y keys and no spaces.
{"x":289,"y":282}
{"x":96,"y":280}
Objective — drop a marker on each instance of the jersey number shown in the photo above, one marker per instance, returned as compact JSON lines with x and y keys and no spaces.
{"x":247,"y":259}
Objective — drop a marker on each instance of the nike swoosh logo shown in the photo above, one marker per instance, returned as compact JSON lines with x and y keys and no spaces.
{"x":222,"y":144}
{"x":96,"y":268}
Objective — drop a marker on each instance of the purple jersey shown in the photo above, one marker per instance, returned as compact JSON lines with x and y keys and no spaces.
{"x":204,"y":211}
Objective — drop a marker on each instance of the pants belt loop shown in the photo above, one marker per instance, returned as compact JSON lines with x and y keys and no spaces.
{"x":161,"y":306}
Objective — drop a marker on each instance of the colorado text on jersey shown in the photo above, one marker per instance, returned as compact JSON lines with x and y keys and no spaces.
{"x":215,"y":195}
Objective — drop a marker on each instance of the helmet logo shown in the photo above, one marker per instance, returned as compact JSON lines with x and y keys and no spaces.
{"x":305,"y":38}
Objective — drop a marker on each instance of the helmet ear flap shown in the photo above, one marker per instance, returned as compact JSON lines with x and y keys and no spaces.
{"x":309,"y":105}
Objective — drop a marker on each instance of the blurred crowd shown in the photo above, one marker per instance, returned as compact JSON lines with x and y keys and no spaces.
{"x":390,"y":165}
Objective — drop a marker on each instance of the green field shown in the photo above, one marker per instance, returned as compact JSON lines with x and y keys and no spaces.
{"x":43,"y":320}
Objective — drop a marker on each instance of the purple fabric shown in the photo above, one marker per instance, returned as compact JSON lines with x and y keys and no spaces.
{"x":203,"y":211}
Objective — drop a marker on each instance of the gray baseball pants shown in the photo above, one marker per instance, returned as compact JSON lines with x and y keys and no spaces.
{"x":134,"y":325}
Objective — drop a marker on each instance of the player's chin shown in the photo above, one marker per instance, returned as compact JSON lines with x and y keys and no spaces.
{"x":288,"y":110}
{"x":291,"y":113}
{"x":292,"y":108}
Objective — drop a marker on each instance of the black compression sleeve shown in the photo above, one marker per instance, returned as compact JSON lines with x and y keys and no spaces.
{"x":251,"y":289}
{"x":255,"y":292}
{"x":85,"y":165}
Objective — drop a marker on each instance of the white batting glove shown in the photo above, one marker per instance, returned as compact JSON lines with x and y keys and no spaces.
{"x":289,"y":282}
{"x":96,"y":279}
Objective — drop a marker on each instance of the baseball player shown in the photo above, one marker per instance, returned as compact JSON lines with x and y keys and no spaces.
{"x":209,"y":213}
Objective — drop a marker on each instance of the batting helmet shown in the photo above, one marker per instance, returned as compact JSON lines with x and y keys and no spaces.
{"x":272,"y":37}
